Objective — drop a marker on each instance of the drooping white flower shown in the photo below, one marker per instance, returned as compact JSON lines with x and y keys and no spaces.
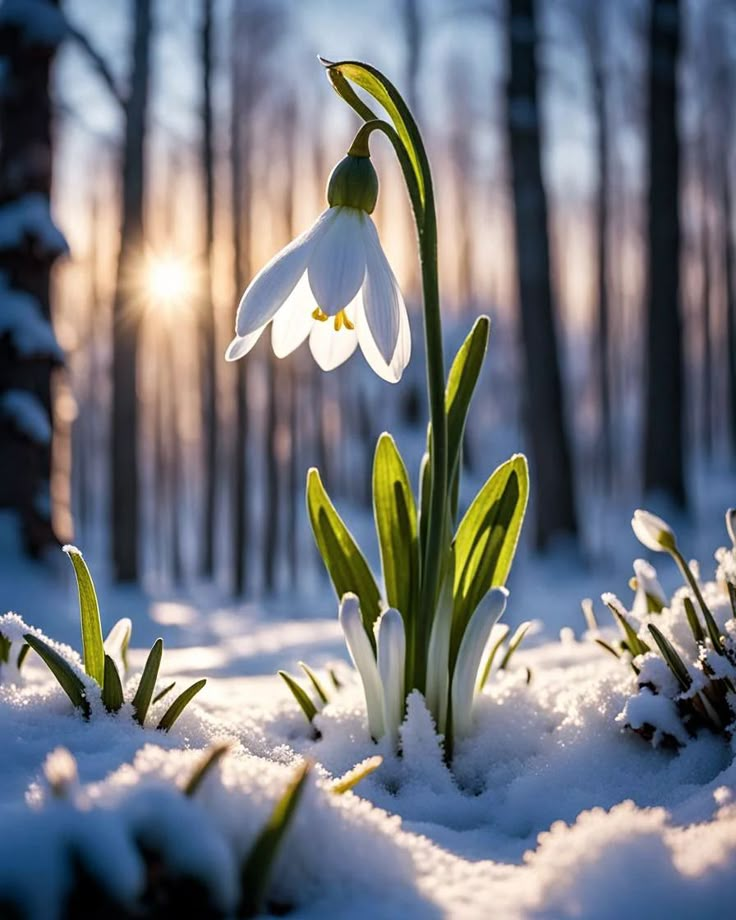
{"x":653,"y":532}
{"x":332,"y":284}
{"x":391,"y":662}
{"x":364,"y":660}
{"x":469,"y":656}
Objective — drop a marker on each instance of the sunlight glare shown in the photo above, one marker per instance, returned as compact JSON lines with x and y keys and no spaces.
{"x":168,"y":280}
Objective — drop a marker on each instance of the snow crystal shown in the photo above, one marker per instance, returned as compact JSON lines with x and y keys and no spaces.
{"x":28,"y":415}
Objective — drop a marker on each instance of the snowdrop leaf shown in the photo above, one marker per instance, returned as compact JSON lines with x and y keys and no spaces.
{"x":486,"y":540}
{"x":255,"y":874}
{"x":609,"y":648}
{"x":488,"y":664}
{"x":693,"y":621}
{"x":22,"y":655}
{"x":300,"y":695}
{"x":89,"y":617}
{"x":425,"y":483}
{"x":314,"y":681}
{"x":396,"y":525}
{"x":386,"y":94}
{"x":674,"y":662}
{"x":340,"y":553}
{"x":62,"y":671}
{"x":213,"y":755}
{"x":359,"y":772}
{"x":731,"y":597}
{"x":179,"y":705}
{"x":144,"y":693}
{"x":460,"y":387}
{"x":112,"y":689}
{"x":711,"y":626}
{"x":159,"y":696}
{"x":632,"y":642}
{"x":516,"y":640}
{"x":4,"y":649}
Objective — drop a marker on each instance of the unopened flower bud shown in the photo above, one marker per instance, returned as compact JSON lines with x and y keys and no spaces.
{"x":353,"y":184}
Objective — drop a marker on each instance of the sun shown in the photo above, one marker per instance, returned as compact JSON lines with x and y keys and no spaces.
{"x":168,"y":281}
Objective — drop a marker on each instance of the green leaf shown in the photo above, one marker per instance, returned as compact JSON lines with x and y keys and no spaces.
{"x":460,"y":387}
{"x":693,"y":621}
{"x":515,"y":642}
{"x":343,"y":559}
{"x":732,"y":598}
{"x":22,"y":654}
{"x":425,"y":488}
{"x":62,"y":671}
{"x":609,"y":648}
{"x":486,"y":540}
{"x":674,"y":662}
{"x":144,"y":693}
{"x":179,"y":705}
{"x":4,"y":649}
{"x":165,"y":692}
{"x":633,"y":644}
{"x":255,"y":874}
{"x":336,"y":683}
{"x":396,"y":526}
{"x":112,"y":689}
{"x":504,"y":631}
{"x":93,"y":651}
{"x":714,"y":632}
{"x":386,"y":94}
{"x":212,"y":756}
{"x":314,"y":680}
{"x":300,"y":695}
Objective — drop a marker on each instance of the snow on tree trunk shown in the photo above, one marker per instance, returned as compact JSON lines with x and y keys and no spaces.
{"x":29,"y":245}
{"x":554,"y":500}
{"x":664,"y":428}
{"x":126,"y":321}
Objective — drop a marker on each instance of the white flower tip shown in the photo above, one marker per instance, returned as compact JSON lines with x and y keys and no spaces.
{"x":392,"y":627}
{"x":71,"y":550}
{"x":349,"y":607}
{"x":497,"y":598}
{"x":652,"y":531}
{"x":60,"y":770}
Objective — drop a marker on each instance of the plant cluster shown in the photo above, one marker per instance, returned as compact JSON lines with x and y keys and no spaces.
{"x":682,"y":651}
{"x":105,"y":662}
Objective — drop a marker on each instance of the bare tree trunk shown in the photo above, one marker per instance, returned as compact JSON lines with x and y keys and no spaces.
{"x":547,"y":431}
{"x":28,"y":350}
{"x":209,"y":343}
{"x":729,"y":259}
{"x":126,"y":322}
{"x":705,"y":294}
{"x":664,"y":428}
{"x":271,"y":513}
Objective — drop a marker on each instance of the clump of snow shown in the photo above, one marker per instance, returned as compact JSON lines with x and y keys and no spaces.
{"x":28,"y":219}
{"x":27,"y":414}
{"x":38,"y":21}
{"x":22,"y":320}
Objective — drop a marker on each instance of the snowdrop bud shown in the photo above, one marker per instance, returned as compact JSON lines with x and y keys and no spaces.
{"x":391,"y":662}
{"x":438,"y":658}
{"x":473,"y":644}
{"x":353,"y":184}
{"x":60,"y":770}
{"x":364,"y":660}
{"x":650,"y":597}
{"x":731,"y":524}
{"x":653,"y":532}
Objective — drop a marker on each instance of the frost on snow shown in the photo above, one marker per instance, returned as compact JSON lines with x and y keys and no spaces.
{"x":26,"y":413}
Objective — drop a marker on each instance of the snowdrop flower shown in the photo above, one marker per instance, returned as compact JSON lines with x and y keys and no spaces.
{"x":391,"y":662}
{"x":653,"y":532}
{"x":364,"y":660}
{"x":649,"y":594}
{"x":60,"y":772}
{"x":731,"y":525}
{"x":332,"y":284}
{"x":469,"y":656}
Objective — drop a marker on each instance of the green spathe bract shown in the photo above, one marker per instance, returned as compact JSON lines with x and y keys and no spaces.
{"x":353,"y":184}
{"x":436,"y":575}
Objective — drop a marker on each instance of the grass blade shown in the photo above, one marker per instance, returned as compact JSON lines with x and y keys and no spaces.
{"x":93,"y":651}
{"x":491,"y":656}
{"x":300,"y":695}
{"x":314,"y":680}
{"x":732,"y":598}
{"x":212,"y":756}
{"x":515,"y":642}
{"x":633,"y":643}
{"x":674,"y":662}
{"x":693,"y":622}
{"x":608,"y":648}
{"x":144,"y":693}
{"x":164,"y":692}
{"x":62,"y":671}
{"x":359,"y":772}
{"x":179,"y":705}
{"x":112,"y":689}
{"x":23,"y":654}
{"x":255,"y":874}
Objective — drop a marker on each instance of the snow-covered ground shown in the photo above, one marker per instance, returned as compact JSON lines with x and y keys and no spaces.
{"x":552,"y":808}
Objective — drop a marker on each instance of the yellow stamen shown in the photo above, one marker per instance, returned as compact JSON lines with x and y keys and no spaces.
{"x":338,"y":321}
{"x":348,"y":324}
{"x":319,"y":315}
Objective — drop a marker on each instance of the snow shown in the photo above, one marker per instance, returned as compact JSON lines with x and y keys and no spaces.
{"x":38,"y":21}
{"x":29,"y":218}
{"x":27,"y":414}
{"x":553,"y":808}
{"x":21,"y":319}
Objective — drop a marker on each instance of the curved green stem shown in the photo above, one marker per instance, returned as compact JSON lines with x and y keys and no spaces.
{"x":421,"y":195}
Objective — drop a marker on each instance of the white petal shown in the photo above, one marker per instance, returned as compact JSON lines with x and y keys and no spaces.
{"x":652,"y":531}
{"x":275,"y":281}
{"x":382,"y":299}
{"x":391,"y":663}
{"x":469,"y":656}
{"x":293,"y":321}
{"x":391,"y":372}
{"x":337,"y":262}
{"x":329,"y":347}
{"x":364,"y":660}
{"x":242,"y":344}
